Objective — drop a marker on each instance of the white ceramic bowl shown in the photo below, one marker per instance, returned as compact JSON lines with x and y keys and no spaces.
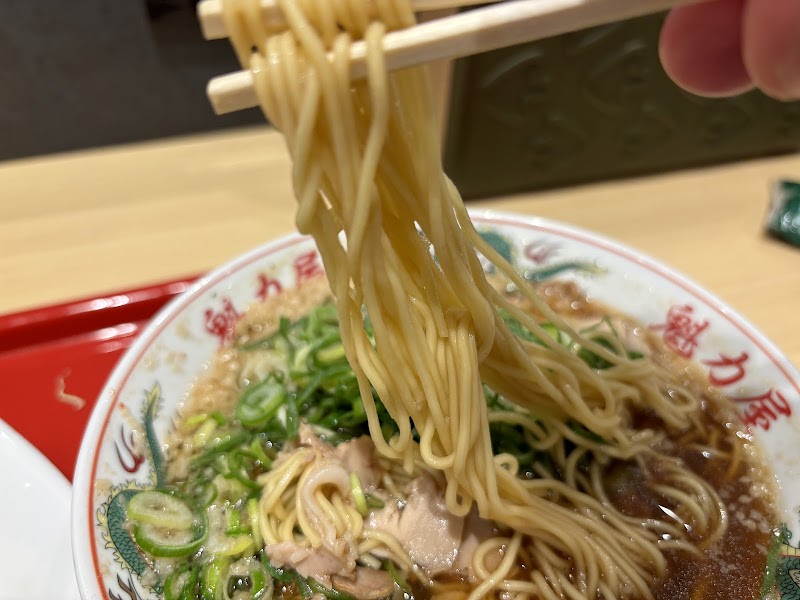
{"x":166,"y":359}
{"x":34,"y":505}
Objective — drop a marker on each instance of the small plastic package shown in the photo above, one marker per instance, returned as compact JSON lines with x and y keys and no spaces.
{"x":783,"y":218}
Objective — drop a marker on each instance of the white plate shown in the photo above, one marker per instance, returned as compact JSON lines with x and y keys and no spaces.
{"x":34,"y":524}
{"x":115,"y":460}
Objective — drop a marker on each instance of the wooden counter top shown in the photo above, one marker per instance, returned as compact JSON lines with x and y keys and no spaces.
{"x":89,"y":222}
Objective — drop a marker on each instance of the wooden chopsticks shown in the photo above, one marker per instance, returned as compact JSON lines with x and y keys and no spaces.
{"x":212,"y":23}
{"x":480,"y":30}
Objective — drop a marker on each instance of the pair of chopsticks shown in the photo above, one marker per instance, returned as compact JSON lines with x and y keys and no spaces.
{"x":488,"y":28}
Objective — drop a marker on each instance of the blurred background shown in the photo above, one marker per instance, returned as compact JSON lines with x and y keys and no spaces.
{"x":585,"y":106}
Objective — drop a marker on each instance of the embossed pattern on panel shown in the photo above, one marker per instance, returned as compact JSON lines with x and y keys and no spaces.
{"x":594,"y":105}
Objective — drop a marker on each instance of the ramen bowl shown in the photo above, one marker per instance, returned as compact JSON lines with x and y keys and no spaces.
{"x":147,"y":389}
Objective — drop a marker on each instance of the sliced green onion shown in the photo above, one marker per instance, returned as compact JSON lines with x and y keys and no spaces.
{"x":388,"y":430}
{"x":398,"y":578}
{"x":523,"y":333}
{"x":261,"y":343}
{"x":292,"y":420}
{"x":313,"y":325}
{"x":259,"y":454}
{"x":219,"y":445}
{"x":598,"y":362}
{"x":373,"y":501}
{"x":283,"y":347}
{"x":247,"y":575}
{"x":218,"y":417}
{"x":517,"y":328}
{"x":253,"y":516}
{"x":235,"y":523}
{"x":238,"y":470}
{"x":284,"y":326}
{"x":196,"y":419}
{"x":229,"y":489}
{"x":171,"y":543}
{"x":308,"y":390}
{"x":593,"y":360}
{"x":584,"y":432}
{"x":258,"y":583}
{"x":358,"y":494}
{"x":330,"y":593}
{"x":203,"y":433}
{"x":211,"y":578}
{"x":299,"y":362}
{"x":160,"y":509}
{"x":326,"y":314}
{"x":329,"y":338}
{"x":330,"y":355}
{"x":207,"y":493}
{"x":231,"y":545}
{"x":282,"y":575}
{"x":554,"y":332}
{"x":260,"y":402}
{"x":181,"y":583}
{"x":551,"y":330}
{"x":305,"y":590}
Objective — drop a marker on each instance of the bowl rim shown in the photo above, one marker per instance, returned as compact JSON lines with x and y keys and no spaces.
{"x":84,"y":548}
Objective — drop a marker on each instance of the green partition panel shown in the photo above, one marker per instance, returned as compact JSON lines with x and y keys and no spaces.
{"x":594,"y":105}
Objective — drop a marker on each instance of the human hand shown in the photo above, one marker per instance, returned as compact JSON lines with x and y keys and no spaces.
{"x":726,"y":47}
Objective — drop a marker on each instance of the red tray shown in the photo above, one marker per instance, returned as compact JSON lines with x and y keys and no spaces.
{"x":55,"y":360}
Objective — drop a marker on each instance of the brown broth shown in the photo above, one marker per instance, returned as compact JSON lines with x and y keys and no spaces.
{"x":733,"y":567}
